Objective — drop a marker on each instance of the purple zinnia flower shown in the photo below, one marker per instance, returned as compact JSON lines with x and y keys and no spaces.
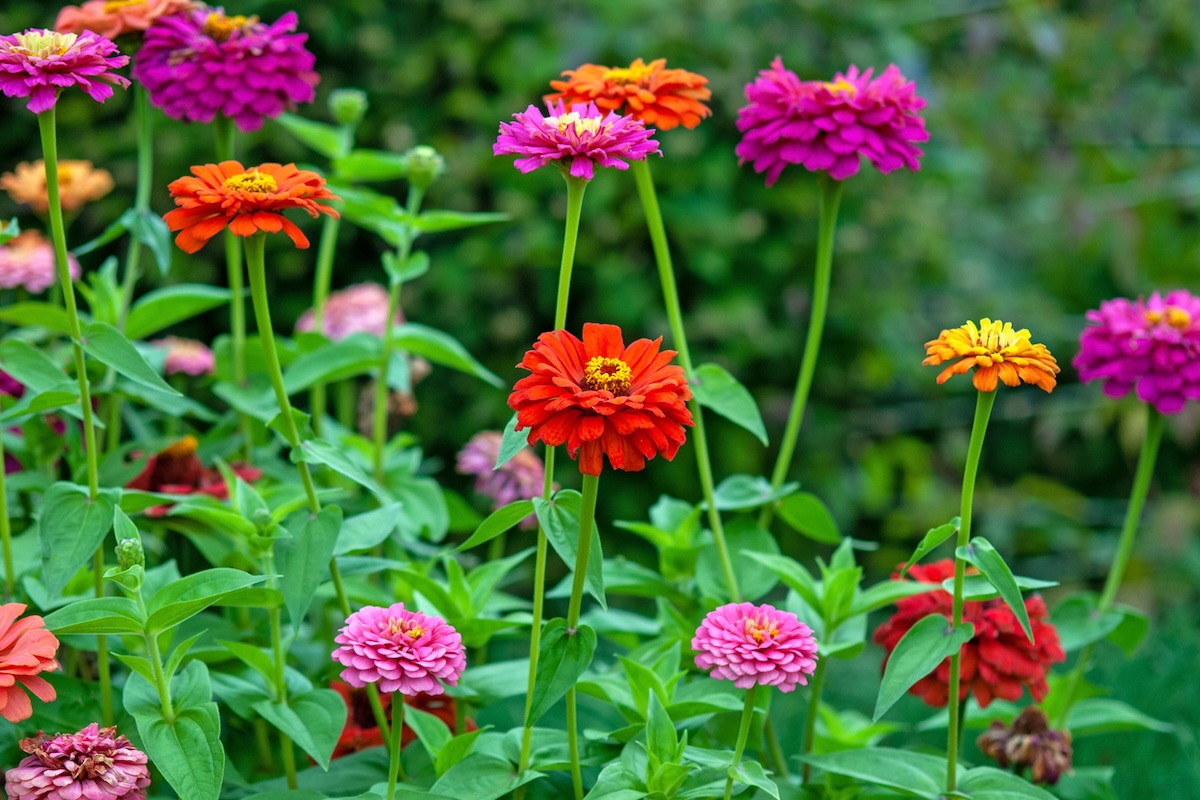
{"x":750,"y":644}
{"x":827,"y":126}
{"x":522,"y":477}
{"x":94,"y":764}
{"x":361,"y":307}
{"x":1153,"y":345}
{"x":186,"y":356}
{"x":28,"y":261}
{"x":403,"y":651}
{"x":39,"y":64}
{"x":575,"y":139}
{"x":203,"y":63}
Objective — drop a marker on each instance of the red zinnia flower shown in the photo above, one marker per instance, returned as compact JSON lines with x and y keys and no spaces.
{"x":998,"y":662}
{"x":603,"y":398}
{"x":361,"y":730}
{"x":178,"y":470}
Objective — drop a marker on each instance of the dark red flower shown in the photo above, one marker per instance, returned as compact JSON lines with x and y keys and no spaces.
{"x":361,"y":731}
{"x":177,"y":469}
{"x":998,"y":662}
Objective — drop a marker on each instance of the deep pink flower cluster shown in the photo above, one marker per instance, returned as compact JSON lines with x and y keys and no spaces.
{"x":402,"y":651}
{"x":522,"y":477}
{"x":361,"y":307}
{"x":27,"y":261}
{"x":1151,"y":345}
{"x":186,"y":356}
{"x":203,"y":63}
{"x":576,"y":138}
{"x":94,"y":764}
{"x":750,"y":644}
{"x":827,"y":126}
{"x":39,"y":64}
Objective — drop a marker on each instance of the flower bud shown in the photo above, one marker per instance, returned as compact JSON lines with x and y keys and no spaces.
{"x":424,"y":166}
{"x":263,"y":520}
{"x":348,"y":106}
{"x":130,"y":553}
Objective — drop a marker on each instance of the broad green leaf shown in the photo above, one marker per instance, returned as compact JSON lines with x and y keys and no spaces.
{"x":499,"y":521}
{"x":34,"y":313}
{"x":193,"y":593}
{"x":149,"y":229}
{"x":332,"y":362}
{"x":254,"y":657}
{"x":914,"y":774}
{"x":511,"y":442}
{"x":455,"y":750}
{"x":319,"y":451}
{"x":314,"y":720}
{"x":744,"y":492}
{"x":885,"y":593}
{"x":989,"y":783}
{"x":1094,"y":715}
{"x":370,"y":165}
{"x":430,"y":730}
{"x":439,"y":220}
{"x":1133,"y":628}
{"x":328,"y":140}
{"x":38,"y":403}
{"x":752,"y":774}
{"x":1080,"y":623}
{"x":37,"y":372}
{"x":917,"y":654}
{"x":792,"y":573}
{"x":416,"y":265}
{"x":106,"y":344}
{"x":303,"y":558}
{"x":661,"y":739}
{"x":933,"y":537}
{"x":1086,"y":783}
{"x":713,"y":387}
{"x":559,"y":519}
{"x":441,"y":348}
{"x":562,"y":659}
{"x":481,"y":777}
{"x":102,"y":615}
{"x":617,"y":782}
{"x":164,"y":307}
{"x":755,"y":579}
{"x":980,"y":554}
{"x":978,"y":587}
{"x":173,"y":405}
{"x":807,"y":514}
{"x":70,"y":528}
{"x":367,"y":530}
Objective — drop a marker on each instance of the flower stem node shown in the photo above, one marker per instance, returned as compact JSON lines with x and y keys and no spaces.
{"x":425,"y":165}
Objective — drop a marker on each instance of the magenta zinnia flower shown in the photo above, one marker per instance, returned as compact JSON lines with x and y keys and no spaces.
{"x":403,"y":651}
{"x":27,"y":261}
{"x":202,"y":63}
{"x":750,"y":644}
{"x":827,"y":126}
{"x":361,"y":307}
{"x":94,"y":764}
{"x":522,"y":477}
{"x":186,"y":356}
{"x":1153,"y":345}
{"x":576,"y":139}
{"x":39,"y":64}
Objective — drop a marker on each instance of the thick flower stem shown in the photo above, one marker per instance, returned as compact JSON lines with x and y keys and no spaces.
{"x":48,"y":129}
{"x":666,"y":276}
{"x":325,"y":252}
{"x":831,"y":197}
{"x":983,"y":410}
{"x":587,"y":515}
{"x":814,"y":710}
{"x":1133,"y":514}
{"x":743,"y":735}
{"x":395,"y":769}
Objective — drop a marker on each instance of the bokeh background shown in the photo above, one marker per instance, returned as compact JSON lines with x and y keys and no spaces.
{"x":1063,"y":169}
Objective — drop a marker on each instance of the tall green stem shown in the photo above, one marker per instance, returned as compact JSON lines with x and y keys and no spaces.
{"x":6,"y":530}
{"x":395,"y":769}
{"x":141,"y":201}
{"x":831,"y":197}
{"x":666,"y":276}
{"x":279,"y":662}
{"x":324,"y":278}
{"x":743,"y":735}
{"x":1133,"y":514}
{"x":587,"y":515}
{"x":814,"y":710}
{"x":154,"y":656}
{"x":983,"y":410}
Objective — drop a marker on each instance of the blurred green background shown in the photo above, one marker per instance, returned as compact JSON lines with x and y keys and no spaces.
{"x":1063,"y":169}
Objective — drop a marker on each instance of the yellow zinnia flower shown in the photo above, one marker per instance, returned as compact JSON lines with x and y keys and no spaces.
{"x":998,"y":353}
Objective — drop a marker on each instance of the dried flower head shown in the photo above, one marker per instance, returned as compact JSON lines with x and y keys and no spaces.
{"x":27,"y":650}
{"x":94,"y":764}
{"x":186,"y":356}
{"x":113,"y":18}
{"x":362,"y":307}
{"x":402,"y":651}
{"x":177,"y":469}
{"x":650,"y":92}
{"x":996,"y":352}
{"x":1030,"y":742}
{"x":79,"y":183}
{"x":750,"y":644}
{"x":522,"y":477}
{"x":27,"y":261}
{"x":40,"y":64}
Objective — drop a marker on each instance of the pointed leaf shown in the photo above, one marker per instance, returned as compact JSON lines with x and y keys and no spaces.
{"x":367,"y":530}
{"x":101,"y":615}
{"x":319,"y":451}
{"x":164,"y":307}
{"x":511,"y":442}
{"x":193,"y":593}
{"x":1080,"y":623}
{"x":431,"y":731}
{"x":438,"y":220}
{"x":807,"y":514}
{"x":989,"y":783}
{"x":314,"y":721}
{"x":38,"y":403}
{"x":560,"y":522}
{"x":980,"y":554}
{"x":745,"y":492}
{"x":885,"y":593}
{"x":904,"y":770}
{"x":370,"y":165}
{"x":328,"y":140}
{"x":562,"y":659}
{"x":70,"y":528}
{"x":106,"y":344}
{"x":499,"y":521}
{"x":751,"y":773}
{"x":303,"y":558}
{"x":34,"y":313}
{"x":927,"y":644}
{"x":335,"y":361}
{"x":933,"y":537}
{"x":713,"y":387}
{"x":1094,"y":715}
{"x":441,"y":348}
{"x":149,"y":229}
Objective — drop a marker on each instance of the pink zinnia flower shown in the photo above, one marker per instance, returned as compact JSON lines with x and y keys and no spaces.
{"x":575,"y":138}
{"x":39,"y":64}
{"x":827,"y":126}
{"x":186,"y":356}
{"x":27,"y":261}
{"x":522,"y":477}
{"x":402,"y":651}
{"x":26,"y":650}
{"x":361,"y":307}
{"x":750,"y":644}
{"x":1153,"y":345}
{"x":94,"y":764}
{"x":203,"y":63}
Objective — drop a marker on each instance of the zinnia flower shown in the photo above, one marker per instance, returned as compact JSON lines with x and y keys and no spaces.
{"x":826,"y":126}
{"x":650,"y":92}
{"x":26,"y":650}
{"x":94,"y":764}
{"x":177,"y":469}
{"x":27,"y":261}
{"x":998,"y":353}
{"x":361,"y":307}
{"x":247,"y":200}
{"x":998,"y":662}
{"x":1153,"y":345}
{"x":403,"y":651}
{"x":113,"y":18}
{"x":186,"y":356}
{"x":362,"y":730}
{"x":79,"y":183}
{"x":750,"y":644}
{"x":39,"y":64}
{"x":1030,"y":742}
{"x":576,"y":139}
{"x":203,"y":63}
{"x":600,"y":398}
{"x":522,"y":477}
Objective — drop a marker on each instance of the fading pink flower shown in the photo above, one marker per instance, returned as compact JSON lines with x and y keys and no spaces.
{"x":403,"y":651}
{"x":522,"y":477}
{"x":827,"y":126}
{"x":94,"y":764}
{"x":39,"y":64}
{"x":186,"y":356}
{"x":1151,"y":345}
{"x":27,"y":262}
{"x":574,"y":138}
{"x":27,"y":649}
{"x":750,"y":644}
{"x":361,"y":307}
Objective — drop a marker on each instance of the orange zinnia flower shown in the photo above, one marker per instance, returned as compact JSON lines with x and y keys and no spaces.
{"x":999,"y":353}
{"x":26,"y":650}
{"x":603,"y":398}
{"x":79,"y":183}
{"x":247,"y":200}
{"x":651,"y":93}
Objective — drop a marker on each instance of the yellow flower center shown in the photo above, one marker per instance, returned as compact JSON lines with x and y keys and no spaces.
{"x":635,"y":73}
{"x":405,"y":627}
{"x":252,"y":181}
{"x":993,"y":340}
{"x":589,"y":124}
{"x":44,"y":44}
{"x":184,"y":448}
{"x":758,"y":629}
{"x":842,"y":86}
{"x":1174,"y":316}
{"x":220,"y":27}
{"x":117,"y":5}
{"x":607,"y":374}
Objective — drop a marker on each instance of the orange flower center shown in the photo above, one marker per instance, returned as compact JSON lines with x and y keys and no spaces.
{"x":758,"y":629}
{"x":184,"y":448}
{"x":635,"y":73}
{"x":117,"y":5}
{"x":608,"y":375}
{"x":406,"y":627}
{"x":220,"y":27}
{"x":589,"y":124}
{"x":252,"y":181}
{"x":842,"y":86}
{"x":1174,"y":316}
{"x":44,"y":44}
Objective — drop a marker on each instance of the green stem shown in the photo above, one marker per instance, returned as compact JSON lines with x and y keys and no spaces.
{"x":775,"y":748}
{"x":155,"y":657}
{"x":279,"y":662}
{"x":141,"y":202}
{"x":346,"y":401}
{"x":983,"y":410}
{"x":395,"y":770}
{"x":831,"y":197}
{"x":814,"y":710}
{"x":575,"y":189}
{"x":10,"y":580}
{"x":666,"y":276}
{"x":587,"y":515}
{"x":325,"y":253}
{"x":1133,"y":514}
{"x":743,"y":735}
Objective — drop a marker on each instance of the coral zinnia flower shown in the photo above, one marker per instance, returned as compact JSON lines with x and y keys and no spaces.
{"x":247,"y":200}
{"x":26,"y":650}
{"x":362,"y":731}
{"x":576,"y":139}
{"x":361,"y":307}
{"x":403,"y":651}
{"x":826,"y":126}
{"x":998,"y":662}
{"x":177,"y":469}
{"x":1151,"y":344}
{"x":113,"y":18}
{"x":750,"y":644}
{"x":27,"y":261}
{"x":94,"y":764}
{"x":39,"y":64}
{"x":78,"y":183}
{"x":999,"y":353}
{"x":650,"y":92}
{"x":602,"y":398}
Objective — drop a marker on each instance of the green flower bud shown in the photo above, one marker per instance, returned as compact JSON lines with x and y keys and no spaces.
{"x":262,"y":520}
{"x":130,"y":553}
{"x":424,"y":166}
{"x":348,"y":106}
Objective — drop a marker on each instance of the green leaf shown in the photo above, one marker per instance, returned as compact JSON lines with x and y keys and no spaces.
{"x":328,"y":140}
{"x":439,"y":220}
{"x":173,"y":405}
{"x":103,"y":615}
{"x":33,"y":368}
{"x":441,"y":348}
{"x":114,"y":231}
{"x":1094,"y":715}
{"x":1080,"y":623}
{"x":559,"y":519}
{"x":989,"y":783}
{"x":980,"y":554}
{"x":932,"y":538}
{"x":978,"y":587}
{"x":164,"y":307}
{"x":917,"y":654}
{"x":511,"y":443}
{"x":193,"y":593}
{"x":499,"y":521}
{"x":106,"y":344}
{"x":1133,"y":628}
{"x":912,"y":773}
{"x":303,"y":558}
{"x":617,"y":782}
{"x":370,"y":165}
{"x":562,"y":659}
{"x":9,"y":230}
{"x":808,"y":515}
{"x":661,"y":739}
{"x":755,"y":579}
{"x":42,"y":315}
{"x":744,"y":492}
{"x":751,"y":773}
{"x":414,"y":267}
{"x":885,"y":593}
{"x":430,"y":730}
{"x":70,"y":528}
{"x":254,"y":657}
{"x":792,"y":573}
{"x":334,"y":361}
{"x":481,"y":777}
{"x":713,"y":387}
{"x":319,"y":451}
{"x":314,"y":720}
{"x":38,"y":403}
{"x":150,"y":229}
{"x":455,"y":750}
{"x":367,"y":530}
